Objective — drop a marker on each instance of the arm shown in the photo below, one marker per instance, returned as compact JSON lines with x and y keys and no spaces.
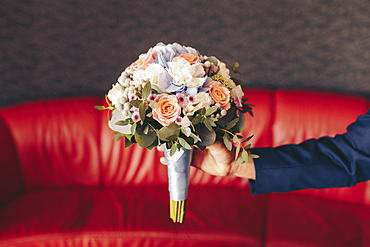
{"x":341,"y":161}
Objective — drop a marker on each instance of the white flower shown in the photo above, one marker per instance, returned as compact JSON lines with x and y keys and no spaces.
{"x":185,"y":74}
{"x":116,"y":93}
{"x":186,"y":131}
{"x":118,"y":116}
{"x":224,"y":71}
{"x":201,"y":100}
{"x":185,"y":122}
{"x":152,"y":73}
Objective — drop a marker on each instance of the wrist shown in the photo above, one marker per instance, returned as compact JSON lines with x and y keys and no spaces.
{"x":244,"y":170}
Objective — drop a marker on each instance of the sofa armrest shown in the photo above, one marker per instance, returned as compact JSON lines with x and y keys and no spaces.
{"x":11,"y":182}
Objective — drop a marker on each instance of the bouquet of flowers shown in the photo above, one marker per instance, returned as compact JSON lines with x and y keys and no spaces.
{"x":176,"y":97}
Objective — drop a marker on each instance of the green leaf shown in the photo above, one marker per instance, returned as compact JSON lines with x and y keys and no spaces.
{"x":226,"y":119}
{"x":234,"y":65}
{"x":154,"y":144}
{"x":254,"y":156}
{"x":133,"y":128}
{"x":142,"y":110}
{"x":213,"y":60}
{"x":129,"y":136}
{"x":208,"y":137}
{"x":147,"y":90}
{"x":203,"y":111}
{"x":173,"y":149}
{"x":239,"y":161}
{"x":136,"y":103}
{"x":99,"y":107}
{"x":202,"y":148}
{"x":153,"y":104}
{"x":248,"y":146}
{"x":237,"y":151}
{"x":123,"y":122}
{"x":213,"y":119}
{"x":196,"y":120}
{"x":128,"y":142}
{"x":146,"y":129}
{"x":208,"y":123}
{"x":167,"y":133}
{"x":184,"y":143}
{"x":247,"y":139}
{"x":245,"y":156}
{"x":240,"y":124}
{"x":235,"y":139}
{"x":227,"y":141}
{"x":158,"y":89}
{"x":144,"y":140}
{"x":211,"y":110}
{"x":195,"y":137}
{"x":106,"y":99}
{"x":150,"y":114}
{"x":232,"y":123}
{"x":117,"y":136}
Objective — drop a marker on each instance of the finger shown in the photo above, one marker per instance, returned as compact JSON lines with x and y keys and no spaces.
{"x":163,"y":160}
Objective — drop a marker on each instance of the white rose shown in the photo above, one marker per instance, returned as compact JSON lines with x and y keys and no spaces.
{"x":152,"y":73}
{"x":118,"y":116}
{"x":186,"y":74}
{"x":116,"y":93}
{"x":224,"y":71}
{"x":201,"y":100}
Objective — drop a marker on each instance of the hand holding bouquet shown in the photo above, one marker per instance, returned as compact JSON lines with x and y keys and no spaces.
{"x":175,"y":97}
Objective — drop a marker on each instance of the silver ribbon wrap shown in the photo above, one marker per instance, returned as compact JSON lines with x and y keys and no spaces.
{"x":178,"y":167}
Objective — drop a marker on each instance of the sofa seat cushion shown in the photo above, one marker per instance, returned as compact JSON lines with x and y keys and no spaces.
{"x":135,"y":215}
{"x":304,"y":220}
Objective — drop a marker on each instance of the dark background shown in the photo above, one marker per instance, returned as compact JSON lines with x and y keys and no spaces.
{"x":55,"y":48}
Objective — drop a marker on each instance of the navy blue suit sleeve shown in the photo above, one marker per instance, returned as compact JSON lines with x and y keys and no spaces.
{"x":341,"y":161}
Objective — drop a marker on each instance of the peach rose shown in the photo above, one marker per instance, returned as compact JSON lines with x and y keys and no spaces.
{"x":143,"y":62}
{"x":167,"y":109}
{"x":191,"y":58}
{"x":219,"y":94}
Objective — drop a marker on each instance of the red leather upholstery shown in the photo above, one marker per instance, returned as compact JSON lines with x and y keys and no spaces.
{"x":65,"y":182}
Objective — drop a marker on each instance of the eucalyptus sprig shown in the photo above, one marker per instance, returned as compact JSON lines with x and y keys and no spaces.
{"x":228,"y":136}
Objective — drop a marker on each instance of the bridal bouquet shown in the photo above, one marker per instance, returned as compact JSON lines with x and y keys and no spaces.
{"x":175,"y":97}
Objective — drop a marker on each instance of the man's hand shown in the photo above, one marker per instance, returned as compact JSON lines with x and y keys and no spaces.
{"x":218,"y":161}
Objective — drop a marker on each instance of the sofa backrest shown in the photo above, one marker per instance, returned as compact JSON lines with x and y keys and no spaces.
{"x":67,"y":142}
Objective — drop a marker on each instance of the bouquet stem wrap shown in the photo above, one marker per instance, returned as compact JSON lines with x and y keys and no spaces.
{"x":178,"y":167}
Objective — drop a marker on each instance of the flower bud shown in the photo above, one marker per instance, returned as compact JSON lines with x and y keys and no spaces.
{"x":127,"y":106}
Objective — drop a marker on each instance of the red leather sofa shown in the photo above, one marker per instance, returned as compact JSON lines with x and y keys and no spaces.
{"x":65,"y":182}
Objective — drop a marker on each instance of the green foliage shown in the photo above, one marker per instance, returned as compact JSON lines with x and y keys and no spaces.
{"x":144,"y":140}
{"x":136,"y":103}
{"x":184,"y":144}
{"x":227,"y":141}
{"x":147,"y":90}
{"x":98,"y":107}
{"x":142,"y":111}
{"x":169,"y":133}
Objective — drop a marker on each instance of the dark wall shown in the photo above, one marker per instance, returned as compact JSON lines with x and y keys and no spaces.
{"x":52,"y":48}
